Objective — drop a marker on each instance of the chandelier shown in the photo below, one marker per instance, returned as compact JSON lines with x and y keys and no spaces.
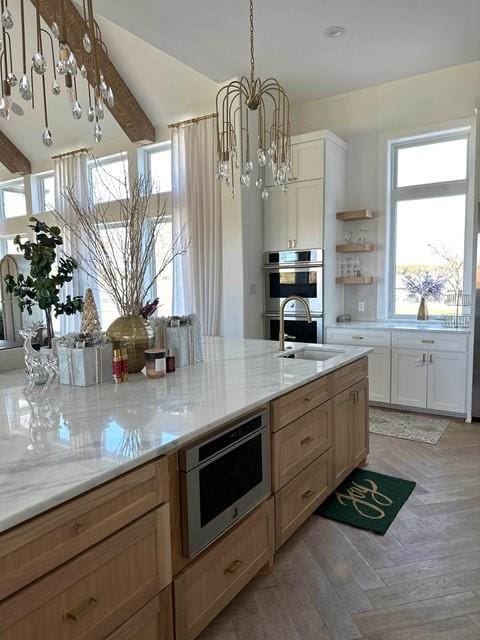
{"x":235,"y":101}
{"x":51,"y":51}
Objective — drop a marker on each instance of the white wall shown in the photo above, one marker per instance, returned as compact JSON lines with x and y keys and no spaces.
{"x":364,"y":119}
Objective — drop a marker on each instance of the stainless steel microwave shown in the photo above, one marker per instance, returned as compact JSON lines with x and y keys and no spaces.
{"x":222,"y":479}
{"x":297,"y":273}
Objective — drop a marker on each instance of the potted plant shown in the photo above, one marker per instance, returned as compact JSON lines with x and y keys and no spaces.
{"x":118,"y":256}
{"x":48,"y":273}
{"x":426,"y":285}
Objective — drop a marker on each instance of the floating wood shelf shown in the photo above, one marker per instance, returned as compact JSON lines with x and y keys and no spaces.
{"x":355,"y":248}
{"x":358,"y":214}
{"x":356,"y":280}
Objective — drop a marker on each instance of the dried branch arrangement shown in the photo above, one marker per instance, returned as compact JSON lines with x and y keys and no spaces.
{"x":117,"y":255}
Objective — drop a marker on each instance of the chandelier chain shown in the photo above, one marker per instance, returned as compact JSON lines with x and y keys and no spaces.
{"x":252,"y":50}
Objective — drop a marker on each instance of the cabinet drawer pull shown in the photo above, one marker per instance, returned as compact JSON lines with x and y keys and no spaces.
{"x":82,"y":608}
{"x":307,"y":399}
{"x":236,"y":564}
{"x":357,"y":337}
{"x":307,"y":440}
{"x":308,"y":494}
{"x":354,"y":396}
{"x":77,"y":526}
{"x":428,"y":341}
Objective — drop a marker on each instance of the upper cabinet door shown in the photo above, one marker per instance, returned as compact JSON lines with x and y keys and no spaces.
{"x":277,"y":229}
{"x":308,"y":160}
{"x":306,"y":209}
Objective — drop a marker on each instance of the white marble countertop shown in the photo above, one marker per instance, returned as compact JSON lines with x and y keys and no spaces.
{"x":392,"y":325}
{"x":73,"y":440}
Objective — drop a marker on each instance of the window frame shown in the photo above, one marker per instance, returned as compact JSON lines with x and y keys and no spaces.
{"x":40,"y":190}
{"x":4,"y":186}
{"x":104,"y":162}
{"x":422,"y":192}
{"x":147,"y":162}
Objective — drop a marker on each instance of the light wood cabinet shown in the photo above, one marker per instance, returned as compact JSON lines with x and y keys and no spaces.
{"x":206,"y":585}
{"x":349,"y":375}
{"x":300,"y":497}
{"x":153,"y":622}
{"x":298,"y":444}
{"x":297,"y":403}
{"x":350,"y":435}
{"x":38,"y":546}
{"x":88,"y":597}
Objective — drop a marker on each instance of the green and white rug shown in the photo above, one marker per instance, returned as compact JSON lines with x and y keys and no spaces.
{"x":367,"y":500}
{"x":410,"y":426}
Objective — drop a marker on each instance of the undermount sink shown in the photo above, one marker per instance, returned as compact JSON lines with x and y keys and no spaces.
{"x":312,"y":353}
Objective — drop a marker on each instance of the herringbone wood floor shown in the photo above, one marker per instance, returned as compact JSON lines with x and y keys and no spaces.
{"x":421,"y":581}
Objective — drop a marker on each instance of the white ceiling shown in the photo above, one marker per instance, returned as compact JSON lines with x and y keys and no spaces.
{"x":386,"y":39}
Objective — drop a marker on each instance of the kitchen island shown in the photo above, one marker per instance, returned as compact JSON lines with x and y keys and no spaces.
{"x":94,"y":471}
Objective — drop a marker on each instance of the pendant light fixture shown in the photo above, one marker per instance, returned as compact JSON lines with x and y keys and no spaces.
{"x":61,"y":64}
{"x":268,"y":101}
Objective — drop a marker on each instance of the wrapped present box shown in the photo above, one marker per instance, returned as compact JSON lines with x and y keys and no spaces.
{"x":183,"y":339}
{"x":86,"y":366}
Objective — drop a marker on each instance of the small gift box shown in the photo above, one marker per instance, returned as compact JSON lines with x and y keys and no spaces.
{"x":182,"y":336}
{"x":83,"y":365}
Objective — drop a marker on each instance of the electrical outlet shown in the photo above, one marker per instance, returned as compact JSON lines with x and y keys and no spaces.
{"x":252,"y":289}
{"x":361,"y":305}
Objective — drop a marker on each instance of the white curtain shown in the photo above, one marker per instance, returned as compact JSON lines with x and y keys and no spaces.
{"x":71,"y":172}
{"x":197,"y":275}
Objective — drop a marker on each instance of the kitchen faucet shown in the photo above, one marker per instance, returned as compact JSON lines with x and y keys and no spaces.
{"x":282,"y":335}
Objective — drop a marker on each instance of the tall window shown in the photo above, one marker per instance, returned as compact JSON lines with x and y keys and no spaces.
{"x":12,"y":199}
{"x":158,"y":161}
{"x":46,"y":191}
{"x":108,"y":178}
{"x":428,"y":204}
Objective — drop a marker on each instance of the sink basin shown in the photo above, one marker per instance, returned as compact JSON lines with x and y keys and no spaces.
{"x":312,"y":353}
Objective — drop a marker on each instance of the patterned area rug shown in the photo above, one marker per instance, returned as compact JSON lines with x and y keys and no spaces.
{"x":410,"y":426}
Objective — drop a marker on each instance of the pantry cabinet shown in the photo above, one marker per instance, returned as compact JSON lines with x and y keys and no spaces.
{"x":295,"y":219}
{"x":308,"y":160}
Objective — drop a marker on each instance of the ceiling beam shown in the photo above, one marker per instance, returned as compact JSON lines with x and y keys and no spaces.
{"x":126,"y":111}
{"x":12,"y":158}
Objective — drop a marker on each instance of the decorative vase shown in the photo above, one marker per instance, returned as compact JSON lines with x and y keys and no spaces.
{"x":136,"y":335}
{"x":422,"y":310}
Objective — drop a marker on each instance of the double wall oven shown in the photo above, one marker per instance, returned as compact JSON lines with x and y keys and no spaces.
{"x":290,"y":273}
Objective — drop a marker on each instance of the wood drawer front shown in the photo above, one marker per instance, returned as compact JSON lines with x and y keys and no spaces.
{"x":359,"y":338}
{"x":31,"y":550}
{"x":208,"y":584}
{"x":300,"y":443}
{"x":88,"y":597}
{"x":292,"y":405}
{"x":430,"y":340}
{"x":153,"y":622}
{"x":300,"y":497}
{"x":349,"y":375}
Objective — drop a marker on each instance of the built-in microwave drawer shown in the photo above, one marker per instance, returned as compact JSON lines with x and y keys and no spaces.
{"x":359,"y":337}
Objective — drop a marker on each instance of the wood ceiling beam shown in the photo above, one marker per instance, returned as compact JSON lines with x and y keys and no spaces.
{"x":12,"y":158}
{"x":126,"y":111}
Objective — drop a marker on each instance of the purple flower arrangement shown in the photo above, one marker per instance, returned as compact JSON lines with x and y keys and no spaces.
{"x":426,"y":285}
